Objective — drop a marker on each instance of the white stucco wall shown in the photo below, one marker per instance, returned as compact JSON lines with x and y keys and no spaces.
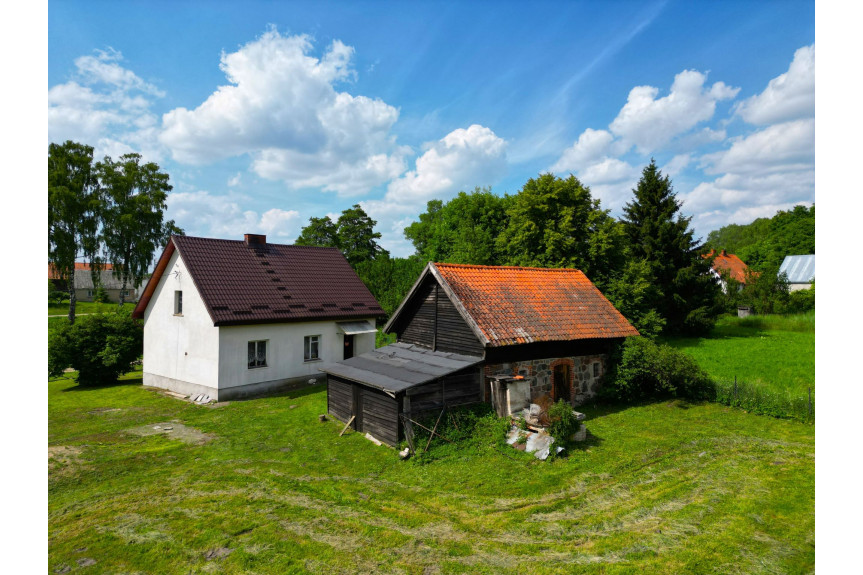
{"x":285,"y":347}
{"x":184,"y":348}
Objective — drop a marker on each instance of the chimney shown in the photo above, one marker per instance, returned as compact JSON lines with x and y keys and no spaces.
{"x":252,"y":240}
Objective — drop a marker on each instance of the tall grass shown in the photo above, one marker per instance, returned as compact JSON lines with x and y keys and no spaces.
{"x":756,"y":398}
{"x":803,"y":323}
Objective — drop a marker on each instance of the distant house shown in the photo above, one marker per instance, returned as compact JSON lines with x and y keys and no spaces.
{"x":466,"y":333}
{"x":727,"y":265}
{"x":230,"y":318}
{"x":85,"y":289}
{"x":800,"y":271}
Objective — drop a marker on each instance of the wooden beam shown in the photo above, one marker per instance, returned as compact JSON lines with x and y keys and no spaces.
{"x":348,"y":424}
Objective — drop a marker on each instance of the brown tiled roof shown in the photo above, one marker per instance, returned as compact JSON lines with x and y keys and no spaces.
{"x":513,"y":305}
{"x":729,"y":263}
{"x":268,"y":283}
{"x":79,"y":266}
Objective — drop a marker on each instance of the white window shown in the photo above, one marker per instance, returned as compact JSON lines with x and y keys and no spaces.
{"x":178,"y":302}
{"x":311,"y":348}
{"x":257,"y":354}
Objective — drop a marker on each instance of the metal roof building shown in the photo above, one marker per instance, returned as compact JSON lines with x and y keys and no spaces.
{"x":800,"y":270}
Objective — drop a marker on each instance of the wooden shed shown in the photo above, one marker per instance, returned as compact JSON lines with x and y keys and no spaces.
{"x":376,"y":388}
{"x":461,"y":326}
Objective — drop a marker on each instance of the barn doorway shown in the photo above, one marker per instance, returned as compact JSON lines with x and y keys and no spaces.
{"x":560,"y":386}
{"x":349,"y":346}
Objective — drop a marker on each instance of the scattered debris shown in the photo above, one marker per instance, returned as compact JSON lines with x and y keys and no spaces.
{"x":173,"y":394}
{"x":201,"y":398}
{"x":176,"y":430}
{"x":372,"y":439}
{"x":217,"y":553}
{"x":292,"y":407}
{"x":86,"y":562}
{"x":347,"y":425}
{"x":313,"y":381}
{"x":322,"y":417}
{"x":80,"y":549}
{"x":405,"y":453}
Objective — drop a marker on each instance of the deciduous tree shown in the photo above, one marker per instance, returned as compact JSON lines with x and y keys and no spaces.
{"x":74,"y":212}
{"x":133,"y":228}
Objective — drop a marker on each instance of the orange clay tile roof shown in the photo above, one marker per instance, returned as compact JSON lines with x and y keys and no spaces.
{"x":513,"y":305}
{"x":729,"y":263}
{"x":53,"y":275}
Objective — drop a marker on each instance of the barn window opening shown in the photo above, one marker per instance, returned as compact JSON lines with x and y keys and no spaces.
{"x":257,"y":354}
{"x":595,"y":369}
{"x":178,"y":302}
{"x":311,"y":348}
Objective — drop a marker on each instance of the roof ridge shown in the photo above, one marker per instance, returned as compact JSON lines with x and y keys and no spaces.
{"x":437,"y":264}
{"x":242,"y":242}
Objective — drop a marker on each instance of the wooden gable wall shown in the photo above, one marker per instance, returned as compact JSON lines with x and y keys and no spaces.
{"x":431,"y":320}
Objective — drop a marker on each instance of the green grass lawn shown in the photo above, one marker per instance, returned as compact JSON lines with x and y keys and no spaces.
{"x":775,"y":352}
{"x":668,"y":487}
{"x":86,"y":307}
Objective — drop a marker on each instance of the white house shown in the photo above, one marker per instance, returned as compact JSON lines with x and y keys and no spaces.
{"x":234,"y":318}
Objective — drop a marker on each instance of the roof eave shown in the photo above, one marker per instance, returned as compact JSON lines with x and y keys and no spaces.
{"x":144,"y":300}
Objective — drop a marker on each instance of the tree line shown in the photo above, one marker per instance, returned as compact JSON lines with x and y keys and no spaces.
{"x":105,"y":212}
{"x":648,"y":263}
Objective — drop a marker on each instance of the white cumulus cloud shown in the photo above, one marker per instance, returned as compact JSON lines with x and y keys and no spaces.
{"x":649,"y":123}
{"x":460,"y":161}
{"x":781,"y":147}
{"x":201,"y":213}
{"x":106,"y":106}
{"x":789,"y":96}
{"x":282,"y":108}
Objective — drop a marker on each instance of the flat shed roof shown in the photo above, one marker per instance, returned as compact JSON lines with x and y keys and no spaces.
{"x":400,"y":366}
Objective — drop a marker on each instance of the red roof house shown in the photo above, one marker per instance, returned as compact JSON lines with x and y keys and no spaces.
{"x":727,"y":265}
{"x":228,"y":318}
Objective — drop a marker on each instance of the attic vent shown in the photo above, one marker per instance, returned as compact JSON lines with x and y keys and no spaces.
{"x":316,"y":309}
{"x":282,"y":310}
{"x":275,"y":279}
{"x":265,"y":263}
{"x":242,"y":312}
{"x":358,"y":304}
{"x":281,"y":288}
{"x":297,"y":305}
{"x":260,"y":307}
{"x":346,"y":308}
{"x":286,"y":297}
{"x":260,"y":254}
{"x":330,"y":305}
{"x":270,"y":272}
{"x":220,"y":308}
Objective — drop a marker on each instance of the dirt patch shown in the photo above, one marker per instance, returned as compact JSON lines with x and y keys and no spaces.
{"x":99,"y":410}
{"x":174,"y":430}
{"x":63,"y":458}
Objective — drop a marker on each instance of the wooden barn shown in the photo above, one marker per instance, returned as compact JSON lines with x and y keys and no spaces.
{"x":480,"y":333}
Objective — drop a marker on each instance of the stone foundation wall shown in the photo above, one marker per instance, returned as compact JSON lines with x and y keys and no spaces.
{"x":584,"y":379}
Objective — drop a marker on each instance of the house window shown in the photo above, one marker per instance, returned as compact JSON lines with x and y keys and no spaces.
{"x":311,"y":348}
{"x":125,"y":293}
{"x":595,"y":369}
{"x":178,"y":302}
{"x":89,"y":293}
{"x":257,"y":354}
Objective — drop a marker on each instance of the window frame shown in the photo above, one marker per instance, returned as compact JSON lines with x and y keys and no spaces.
{"x":257,"y":343}
{"x":178,"y":302}
{"x":307,"y":343}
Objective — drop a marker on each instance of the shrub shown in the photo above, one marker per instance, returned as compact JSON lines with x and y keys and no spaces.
{"x":471,"y":428}
{"x":56,"y":296}
{"x":100,"y":346}
{"x":801,"y":301}
{"x":642,"y":369}
{"x":562,"y":421}
{"x":101,"y":295}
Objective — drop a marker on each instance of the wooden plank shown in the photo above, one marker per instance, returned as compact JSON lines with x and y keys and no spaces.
{"x":348,"y":424}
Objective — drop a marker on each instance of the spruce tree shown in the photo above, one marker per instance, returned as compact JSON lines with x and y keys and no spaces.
{"x":685,"y":294}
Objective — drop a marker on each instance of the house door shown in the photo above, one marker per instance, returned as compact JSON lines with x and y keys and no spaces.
{"x":349,"y":346}
{"x":560,"y":386}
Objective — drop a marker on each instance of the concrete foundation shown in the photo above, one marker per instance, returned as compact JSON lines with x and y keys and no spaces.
{"x":237,"y":392}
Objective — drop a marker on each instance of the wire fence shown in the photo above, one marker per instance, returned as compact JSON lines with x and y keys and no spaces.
{"x":756,"y":399}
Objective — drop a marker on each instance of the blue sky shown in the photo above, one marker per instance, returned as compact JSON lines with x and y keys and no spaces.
{"x":268,"y":113}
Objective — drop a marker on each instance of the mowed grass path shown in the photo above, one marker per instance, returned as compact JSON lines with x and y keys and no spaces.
{"x":668,"y":487}
{"x":773,"y":351}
